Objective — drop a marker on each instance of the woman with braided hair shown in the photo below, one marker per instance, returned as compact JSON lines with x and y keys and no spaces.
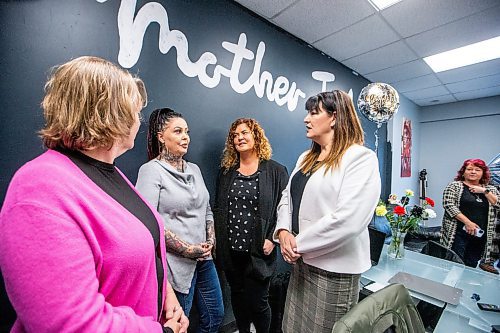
{"x":176,"y":189}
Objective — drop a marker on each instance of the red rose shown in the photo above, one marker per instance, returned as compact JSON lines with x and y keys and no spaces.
{"x":430,"y":201}
{"x":399,"y":210}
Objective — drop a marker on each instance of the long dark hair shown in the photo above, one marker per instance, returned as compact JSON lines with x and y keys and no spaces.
{"x":158,"y":119}
{"x":347,"y":129}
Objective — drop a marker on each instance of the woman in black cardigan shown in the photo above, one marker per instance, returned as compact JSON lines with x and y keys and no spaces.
{"x":249,"y":188}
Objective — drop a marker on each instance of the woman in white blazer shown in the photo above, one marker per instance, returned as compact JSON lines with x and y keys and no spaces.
{"x":324,"y":213}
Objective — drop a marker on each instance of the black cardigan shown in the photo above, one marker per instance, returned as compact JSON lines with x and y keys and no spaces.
{"x":273,"y":179}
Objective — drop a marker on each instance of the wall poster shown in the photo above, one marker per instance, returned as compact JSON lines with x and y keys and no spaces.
{"x":406,"y":148}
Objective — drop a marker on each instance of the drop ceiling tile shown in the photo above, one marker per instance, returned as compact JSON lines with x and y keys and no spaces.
{"x":401,"y":72}
{"x":435,"y":100}
{"x":475,"y":84}
{"x":410,"y":17}
{"x":382,"y":58}
{"x":470,"y":72}
{"x":364,"y":36}
{"x":427,"y":92}
{"x":417,"y":83}
{"x":266,"y":9}
{"x":311,"y":22}
{"x":472,"y":29}
{"x":493,"y":91}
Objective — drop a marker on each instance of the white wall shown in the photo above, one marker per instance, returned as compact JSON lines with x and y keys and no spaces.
{"x":394,"y":132}
{"x":451,"y":133}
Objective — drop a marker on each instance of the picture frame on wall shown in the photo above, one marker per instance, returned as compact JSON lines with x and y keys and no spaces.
{"x":406,"y":143}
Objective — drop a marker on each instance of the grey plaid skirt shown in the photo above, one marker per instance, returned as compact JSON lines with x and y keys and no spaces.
{"x":316,"y":299}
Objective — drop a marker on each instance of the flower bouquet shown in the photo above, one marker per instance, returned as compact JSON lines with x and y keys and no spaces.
{"x":403,"y":218}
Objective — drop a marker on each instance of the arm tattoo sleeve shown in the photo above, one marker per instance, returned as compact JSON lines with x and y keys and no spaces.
{"x":178,"y":246}
{"x":210,"y":232}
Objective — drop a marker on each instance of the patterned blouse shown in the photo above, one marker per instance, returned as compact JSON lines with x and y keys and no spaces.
{"x":243,"y":207}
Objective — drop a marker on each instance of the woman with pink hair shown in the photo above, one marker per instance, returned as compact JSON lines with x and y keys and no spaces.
{"x":469,"y":204}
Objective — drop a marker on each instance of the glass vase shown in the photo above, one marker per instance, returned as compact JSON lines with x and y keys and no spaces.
{"x":396,"y":247}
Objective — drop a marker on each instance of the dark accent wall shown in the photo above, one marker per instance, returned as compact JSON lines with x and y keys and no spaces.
{"x":38,"y":34}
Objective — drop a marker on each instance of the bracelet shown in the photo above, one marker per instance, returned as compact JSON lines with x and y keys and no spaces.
{"x":487,"y":191}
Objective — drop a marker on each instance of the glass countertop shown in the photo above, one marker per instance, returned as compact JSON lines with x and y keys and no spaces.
{"x":466,"y":316}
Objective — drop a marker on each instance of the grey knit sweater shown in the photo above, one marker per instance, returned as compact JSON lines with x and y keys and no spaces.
{"x":182,"y":200}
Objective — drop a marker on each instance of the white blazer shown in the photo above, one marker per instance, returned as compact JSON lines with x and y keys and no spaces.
{"x":334,"y":213}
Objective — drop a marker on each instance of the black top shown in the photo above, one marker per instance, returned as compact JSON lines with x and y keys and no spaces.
{"x":273,"y":178}
{"x":110,"y":181}
{"x":475,"y":206}
{"x":243,"y":208}
{"x":297,"y":185}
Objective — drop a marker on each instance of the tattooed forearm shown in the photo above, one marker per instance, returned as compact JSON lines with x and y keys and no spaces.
{"x":176,"y":245}
{"x":210,"y":233}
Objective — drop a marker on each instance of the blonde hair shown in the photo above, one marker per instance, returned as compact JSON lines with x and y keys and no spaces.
{"x":347,"y":129}
{"x":230,"y":157}
{"x":89,"y":102}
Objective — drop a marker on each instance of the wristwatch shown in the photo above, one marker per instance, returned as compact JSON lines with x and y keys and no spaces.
{"x":487,"y":191}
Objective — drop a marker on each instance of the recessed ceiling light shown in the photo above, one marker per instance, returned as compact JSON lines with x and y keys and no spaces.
{"x":382,"y":4}
{"x":463,"y":56}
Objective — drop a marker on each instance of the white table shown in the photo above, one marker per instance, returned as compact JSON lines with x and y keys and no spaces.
{"x":466,"y":316}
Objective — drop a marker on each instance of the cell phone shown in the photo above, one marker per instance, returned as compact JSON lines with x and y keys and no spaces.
{"x":479,"y":232}
{"x":489,"y":307}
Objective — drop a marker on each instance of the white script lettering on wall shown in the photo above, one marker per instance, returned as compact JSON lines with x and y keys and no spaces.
{"x":324,"y":78}
{"x":131,"y":32}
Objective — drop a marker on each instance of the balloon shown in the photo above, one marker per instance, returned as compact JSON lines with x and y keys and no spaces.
{"x":378,"y":102}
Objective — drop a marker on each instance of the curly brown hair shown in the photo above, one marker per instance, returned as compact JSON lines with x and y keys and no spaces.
{"x":230,"y":156}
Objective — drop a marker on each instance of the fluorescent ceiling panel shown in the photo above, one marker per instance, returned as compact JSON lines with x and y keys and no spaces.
{"x":382,"y":4}
{"x":463,"y":56}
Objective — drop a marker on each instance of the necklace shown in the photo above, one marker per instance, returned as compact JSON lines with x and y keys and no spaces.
{"x":476,"y":195}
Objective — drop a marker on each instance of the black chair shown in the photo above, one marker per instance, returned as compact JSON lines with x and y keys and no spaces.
{"x":437,"y":250}
{"x":415,"y":240}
